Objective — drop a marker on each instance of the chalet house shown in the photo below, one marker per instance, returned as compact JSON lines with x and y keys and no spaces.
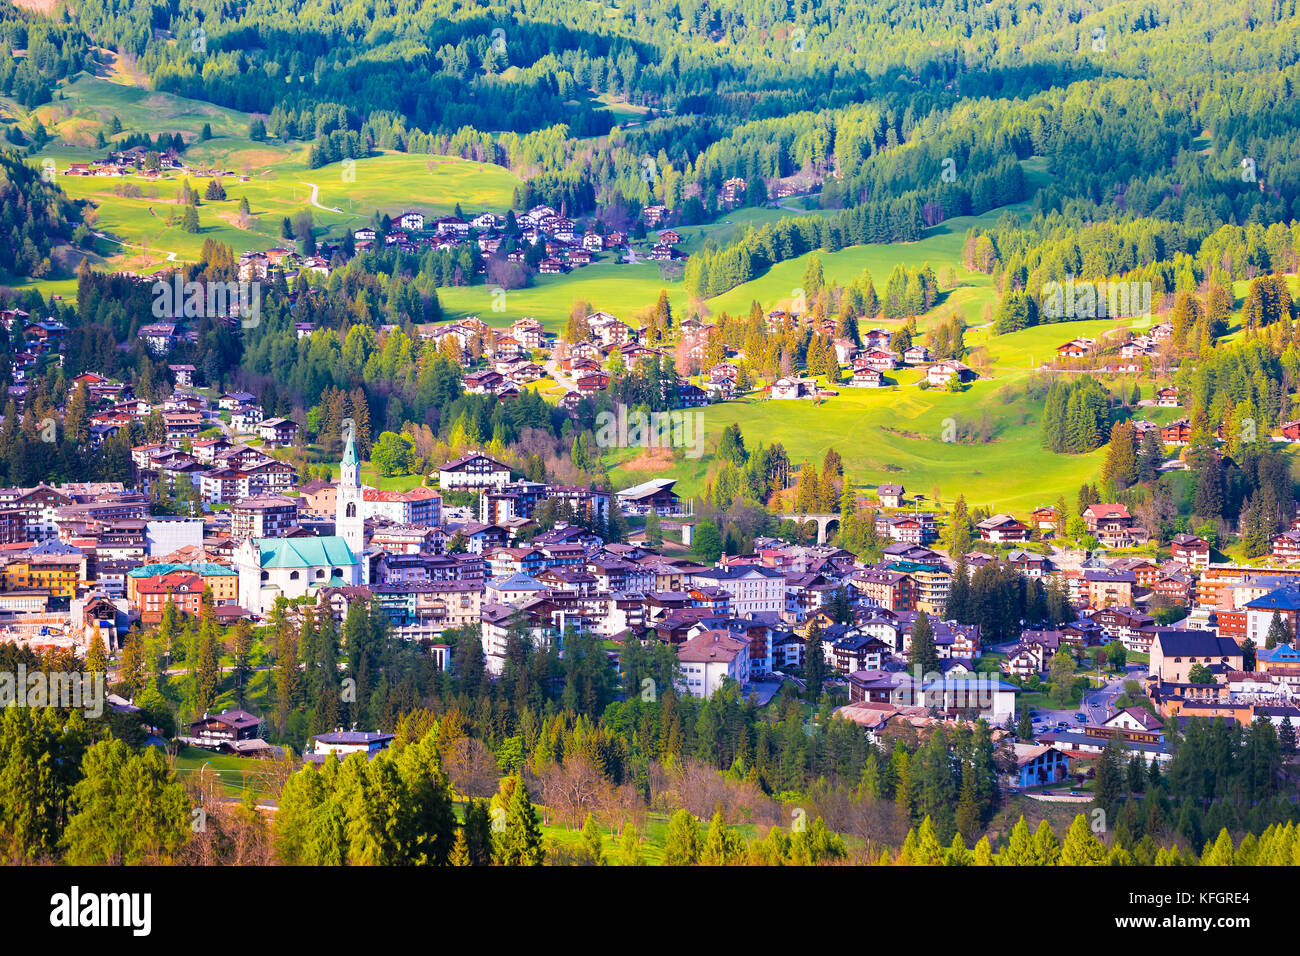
{"x":1291,"y":431}
{"x":1177,"y":433}
{"x":451,"y":226}
{"x":1167,"y":397}
{"x":412,"y":221}
{"x":916,"y":355}
{"x":1175,"y":587}
{"x":856,"y":652}
{"x":732,"y":190}
{"x":1124,"y":624}
{"x":221,"y":730}
{"x":1286,"y":547}
{"x":1076,"y":348}
{"x":483,"y":381}
{"x":246,"y":418}
{"x":1191,"y":551}
{"x":1002,"y":528}
{"x":474,"y":470}
{"x":941,"y":374}
{"x":1029,"y":564}
{"x":654,"y":495}
{"x":891,"y":496}
{"x":691,"y":396}
{"x":784,"y":389}
{"x":1045,"y":518}
{"x":1039,"y":764}
{"x":344,"y":742}
{"x":881,"y":360}
{"x":864,"y":376}
{"x":876,"y":338}
{"x":1113,"y":525}
{"x":721,"y":389}
{"x":233,"y":400}
{"x":180,"y":425}
{"x":278,"y":432}
{"x":591,"y":382}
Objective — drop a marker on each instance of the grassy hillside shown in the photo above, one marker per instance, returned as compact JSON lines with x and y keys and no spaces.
{"x":136,"y":215}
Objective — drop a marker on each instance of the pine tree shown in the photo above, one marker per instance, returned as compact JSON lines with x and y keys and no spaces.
{"x":814,"y":660}
{"x":520,"y":844}
{"x":1286,"y":736}
{"x":593,"y":843}
{"x":1109,"y":778}
{"x":1277,"y":632}
{"x":629,"y":847}
{"x":1081,"y":847}
{"x":97,"y":656}
{"x":682,"y":844}
{"x":1020,"y":847}
{"x":922,"y":655}
{"x":968,"y":811}
{"x":1047,"y":850}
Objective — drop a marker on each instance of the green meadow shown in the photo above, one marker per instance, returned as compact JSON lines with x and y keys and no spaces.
{"x":898,"y":435}
{"x":141,"y":217}
{"x":887,"y":434}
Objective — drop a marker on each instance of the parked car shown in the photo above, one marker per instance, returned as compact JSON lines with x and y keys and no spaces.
{"x":1081,"y":718}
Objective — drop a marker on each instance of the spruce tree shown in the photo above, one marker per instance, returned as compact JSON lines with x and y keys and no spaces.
{"x":520,"y":843}
{"x":922,"y":655}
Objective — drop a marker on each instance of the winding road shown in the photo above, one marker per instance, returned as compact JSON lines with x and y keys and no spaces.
{"x":315,"y":191}
{"x":171,"y":256}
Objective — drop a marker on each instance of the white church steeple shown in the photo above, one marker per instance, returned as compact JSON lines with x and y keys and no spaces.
{"x":349,"y":523}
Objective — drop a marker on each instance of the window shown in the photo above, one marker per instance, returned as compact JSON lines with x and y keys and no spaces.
{"x":293,"y":575}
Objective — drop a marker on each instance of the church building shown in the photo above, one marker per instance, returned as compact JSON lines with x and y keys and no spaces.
{"x":300,"y":566}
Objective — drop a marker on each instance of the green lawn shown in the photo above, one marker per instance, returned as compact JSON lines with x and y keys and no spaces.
{"x":236,"y":774}
{"x":898,"y":434}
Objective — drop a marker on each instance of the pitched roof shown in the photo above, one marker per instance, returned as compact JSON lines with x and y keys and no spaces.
{"x":304,"y":552}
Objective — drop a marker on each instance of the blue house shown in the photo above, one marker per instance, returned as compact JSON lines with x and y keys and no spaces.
{"x":1039,"y":764}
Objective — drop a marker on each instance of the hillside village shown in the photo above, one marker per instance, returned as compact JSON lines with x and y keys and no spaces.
{"x":1174,"y":633}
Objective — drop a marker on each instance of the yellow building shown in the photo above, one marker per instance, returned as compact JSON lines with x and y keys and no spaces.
{"x":51,"y":566}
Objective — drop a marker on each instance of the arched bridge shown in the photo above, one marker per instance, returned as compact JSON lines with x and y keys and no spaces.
{"x":823,"y":523}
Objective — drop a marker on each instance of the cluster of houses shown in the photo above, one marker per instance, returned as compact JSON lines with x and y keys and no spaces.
{"x":566,"y":245}
{"x":1131,"y":356}
{"x":130,"y":162}
{"x":41,"y":340}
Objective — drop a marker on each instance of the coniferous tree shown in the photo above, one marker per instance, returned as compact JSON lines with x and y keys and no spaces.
{"x":520,"y":843}
{"x":922,"y":655}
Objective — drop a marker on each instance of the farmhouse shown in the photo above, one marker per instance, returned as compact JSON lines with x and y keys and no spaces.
{"x":1002,"y":528}
{"x":891,"y":496}
{"x":944,"y":372}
